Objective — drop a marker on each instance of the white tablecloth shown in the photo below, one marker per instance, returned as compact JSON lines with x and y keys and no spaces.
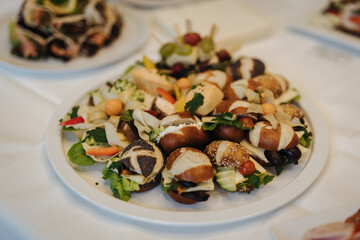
{"x":35,"y":204}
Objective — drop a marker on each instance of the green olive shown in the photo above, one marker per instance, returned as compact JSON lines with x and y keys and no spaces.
{"x":167,"y":49}
{"x":207,"y":45}
{"x":183,"y":49}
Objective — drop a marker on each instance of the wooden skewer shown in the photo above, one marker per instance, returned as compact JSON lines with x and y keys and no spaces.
{"x":157,"y":38}
{"x":177,"y":30}
{"x":213,"y":31}
{"x":188,"y":25}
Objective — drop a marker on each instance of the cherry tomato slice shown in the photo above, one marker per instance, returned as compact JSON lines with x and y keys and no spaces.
{"x":152,"y":112}
{"x":247,"y":168}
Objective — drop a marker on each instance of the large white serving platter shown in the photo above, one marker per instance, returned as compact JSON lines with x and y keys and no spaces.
{"x":133,"y":35}
{"x":153,"y":206}
{"x":294,"y":230}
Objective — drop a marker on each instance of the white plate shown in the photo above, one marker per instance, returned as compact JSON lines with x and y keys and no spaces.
{"x":133,"y":35}
{"x":152,"y":3}
{"x":294,"y":230}
{"x":154,"y":206}
{"x":330,"y":35}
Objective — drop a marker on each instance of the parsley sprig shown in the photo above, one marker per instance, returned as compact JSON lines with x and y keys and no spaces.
{"x":194,"y":103}
{"x":306,"y":138}
{"x":254,"y":180}
{"x":226,"y":118}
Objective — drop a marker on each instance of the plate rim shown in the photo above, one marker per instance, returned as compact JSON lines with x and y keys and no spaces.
{"x":334,"y":37}
{"x":126,"y":13}
{"x":291,"y":191}
{"x":275,"y":230}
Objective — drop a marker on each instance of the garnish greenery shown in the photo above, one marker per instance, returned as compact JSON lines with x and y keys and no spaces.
{"x":194,"y":103}
{"x":78,"y":156}
{"x":71,"y":115}
{"x":155,"y":132}
{"x":98,"y":135}
{"x":121,"y":187}
{"x":226,"y":118}
{"x":173,"y":186}
{"x":306,"y":138}
{"x":255,"y":180}
{"x":127,"y":116}
{"x":14,"y":40}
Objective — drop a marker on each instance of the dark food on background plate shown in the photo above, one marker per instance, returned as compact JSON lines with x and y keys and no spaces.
{"x":214,"y":118}
{"x":343,"y":15}
{"x":347,"y":230}
{"x":63,"y":29}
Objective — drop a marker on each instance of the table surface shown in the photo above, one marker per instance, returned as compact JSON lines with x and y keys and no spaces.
{"x":35,"y":204}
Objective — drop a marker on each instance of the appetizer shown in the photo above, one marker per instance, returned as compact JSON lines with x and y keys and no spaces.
{"x":136,"y":170}
{"x":188,"y":176}
{"x":63,"y":29}
{"x":235,"y":169}
{"x":343,"y":15}
{"x":218,"y":121}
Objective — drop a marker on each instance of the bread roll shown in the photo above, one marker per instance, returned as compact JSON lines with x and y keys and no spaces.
{"x":212,"y":97}
{"x":226,"y":154}
{"x":264,"y":136}
{"x":183,"y":136}
{"x":150,"y":80}
{"x":246,"y":67}
{"x":276,"y":83}
{"x":189,"y":164}
{"x":216,"y":77}
{"x":238,"y":107}
{"x":145,"y":160}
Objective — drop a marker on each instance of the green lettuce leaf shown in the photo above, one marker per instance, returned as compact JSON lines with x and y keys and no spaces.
{"x":78,"y":156}
{"x":255,"y":180}
{"x":120,"y":187}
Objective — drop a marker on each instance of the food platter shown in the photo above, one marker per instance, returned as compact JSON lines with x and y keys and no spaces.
{"x":134,"y":33}
{"x":295,"y":229}
{"x":153,"y":206}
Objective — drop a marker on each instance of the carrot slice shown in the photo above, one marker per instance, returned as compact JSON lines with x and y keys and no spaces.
{"x":355,"y":19}
{"x":125,"y":172}
{"x":165,"y":95}
{"x":103,"y":151}
{"x":180,"y":190}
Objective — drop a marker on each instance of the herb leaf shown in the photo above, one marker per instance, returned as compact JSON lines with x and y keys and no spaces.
{"x":226,"y":118}
{"x":194,"y":103}
{"x":74,"y":112}
{"x":255,"y":180}
{"x":127,"y":116}
{"x":98,"y":134}
{"x":78,"y":156}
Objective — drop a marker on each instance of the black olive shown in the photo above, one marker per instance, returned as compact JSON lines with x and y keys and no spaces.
{"x":187,"y":183}
{"x":302,"y":121}
{"x":275,"y":158}
{"x":292,"y":154}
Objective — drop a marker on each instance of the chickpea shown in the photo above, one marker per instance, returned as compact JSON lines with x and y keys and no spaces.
{"x":268,"y":108}
{"x":184,"y":83}
{"x":113,"y":107}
